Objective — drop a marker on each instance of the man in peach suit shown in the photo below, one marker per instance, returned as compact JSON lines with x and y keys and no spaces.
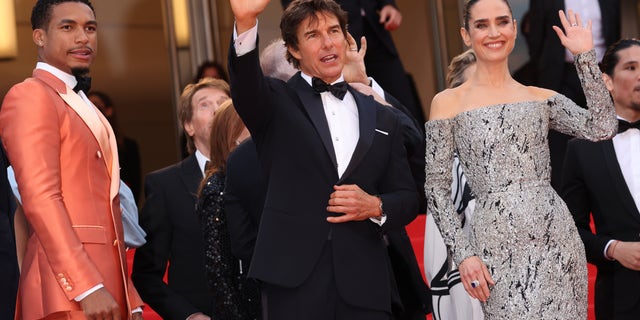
{"x":65,"y":159}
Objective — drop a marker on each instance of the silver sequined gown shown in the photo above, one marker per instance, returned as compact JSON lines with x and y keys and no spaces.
{"x":521,"y":228}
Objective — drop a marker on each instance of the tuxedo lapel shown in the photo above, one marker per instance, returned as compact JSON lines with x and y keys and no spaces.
{"x":85,"y":112}
{"x":367,"y":122}
{"x":622,"y":190}
{"x":190,"y":174}
{"x":312,"y":104}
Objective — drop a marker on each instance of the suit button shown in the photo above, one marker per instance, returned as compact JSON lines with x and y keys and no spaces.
{"x":68,"y":288}
{"x":60,"y":275}
{"x":115,"y":242}
{"x":99,"y":154}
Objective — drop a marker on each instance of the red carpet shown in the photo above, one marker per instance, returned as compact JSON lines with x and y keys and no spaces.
{"x":416,"y":233}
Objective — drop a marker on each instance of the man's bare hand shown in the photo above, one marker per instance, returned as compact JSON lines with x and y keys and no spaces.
{"x":390,"y":17}
{"x":246,"y":12}
{"x":628,"y":254}
{"x":100,"y":305}
{"x":354,"y":203}
{"x":368,"y":91}
{"x":354,"y":69}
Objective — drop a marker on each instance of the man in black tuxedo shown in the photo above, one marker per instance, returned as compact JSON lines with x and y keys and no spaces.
{"x":8,"y":258}
{"x":336,"y":171}
{"x":174,"y":232}
{"x":601,"y":179}
{"x":554,"y":65}
{"x":245,"y":188}
{"x":375,"y":19}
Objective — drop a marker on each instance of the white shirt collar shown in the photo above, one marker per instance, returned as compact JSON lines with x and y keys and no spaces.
{"x":68,"y":79}
{"x":308,"y":78}
{"x":202,"y":160}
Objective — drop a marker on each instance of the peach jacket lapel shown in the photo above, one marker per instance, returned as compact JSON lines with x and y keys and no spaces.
{"x":95,"y":121}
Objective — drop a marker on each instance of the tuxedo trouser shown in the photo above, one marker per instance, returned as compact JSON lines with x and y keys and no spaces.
{"x":317,"y":298}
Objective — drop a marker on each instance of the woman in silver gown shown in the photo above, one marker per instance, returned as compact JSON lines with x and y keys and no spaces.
{"x":523,"y":257}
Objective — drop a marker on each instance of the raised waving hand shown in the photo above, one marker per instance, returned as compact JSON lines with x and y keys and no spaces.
{"x":576,"y":36}
{"x":246,"y":12}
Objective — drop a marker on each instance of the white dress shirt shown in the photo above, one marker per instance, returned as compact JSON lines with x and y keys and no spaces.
{"x":627,"y":148}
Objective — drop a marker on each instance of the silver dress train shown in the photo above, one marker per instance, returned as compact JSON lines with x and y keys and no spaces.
{"x":521,"y":228}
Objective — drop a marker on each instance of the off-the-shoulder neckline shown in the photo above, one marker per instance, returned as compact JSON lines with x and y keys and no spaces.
{"x":497,"y":105}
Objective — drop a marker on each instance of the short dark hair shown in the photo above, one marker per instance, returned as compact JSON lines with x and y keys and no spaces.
{"x":41,"y":12}
{"x":298,"y":11}
{"x":468,"y":5}
{"x":210,"y":64}
{"x":611,"y":57}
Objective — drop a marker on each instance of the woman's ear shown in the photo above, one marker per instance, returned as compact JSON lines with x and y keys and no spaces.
{"x":466,"y":38}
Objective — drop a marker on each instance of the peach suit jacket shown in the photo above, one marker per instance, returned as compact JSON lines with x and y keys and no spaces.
{"x":66,"y":164}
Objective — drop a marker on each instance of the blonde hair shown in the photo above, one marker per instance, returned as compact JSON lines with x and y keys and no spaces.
{"x":457,"y":67}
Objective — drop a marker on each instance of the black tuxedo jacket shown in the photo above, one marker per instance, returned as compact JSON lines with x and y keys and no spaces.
{"x":288,"y":125}
{"x":244,"y":194}
{"x":8,"y":259}
{"x":174,"y":237}
{"x":545,"y":48}
{"x":593,"y":183}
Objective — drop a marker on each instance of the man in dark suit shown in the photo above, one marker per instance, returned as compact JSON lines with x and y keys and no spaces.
{"x":174,"y":233}
{"x":554,"y":65}
{"x":8,"y":259}
{"x":336,"y":171}
{"x":375,"y":19}
{"x":245,"y":188}
{"x":602,"y":179}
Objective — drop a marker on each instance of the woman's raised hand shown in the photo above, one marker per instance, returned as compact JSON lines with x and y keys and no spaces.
{"x":576,"y":37}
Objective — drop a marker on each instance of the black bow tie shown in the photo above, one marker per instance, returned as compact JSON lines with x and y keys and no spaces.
{"x":338,"y":90}
{"x":624,"y":125}
{"x":84,"y":84}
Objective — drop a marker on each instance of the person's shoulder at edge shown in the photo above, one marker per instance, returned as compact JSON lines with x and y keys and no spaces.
{"x":445,"y":104}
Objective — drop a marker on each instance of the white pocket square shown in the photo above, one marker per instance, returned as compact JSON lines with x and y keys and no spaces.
{"x":383,"y":132}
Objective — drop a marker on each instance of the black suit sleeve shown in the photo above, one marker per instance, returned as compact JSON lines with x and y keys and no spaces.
{"x":8,"y":258}
{"x":150,"y":261}
{"x":244,"y":198}
{"x":414,"y":143}
{"x":536,"y":28}
{"x":576,"y":195}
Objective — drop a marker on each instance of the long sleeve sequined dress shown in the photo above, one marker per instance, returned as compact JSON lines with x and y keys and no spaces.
{"x":235,"y":296}
{"x":521,"y":228}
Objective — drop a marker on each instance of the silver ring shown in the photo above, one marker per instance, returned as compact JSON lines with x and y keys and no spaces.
{"x":475,"y":284}
{"x":574,"y":25}
{"x":353,"y":49}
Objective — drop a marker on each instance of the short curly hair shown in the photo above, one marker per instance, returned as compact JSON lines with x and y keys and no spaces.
{"x":41,"y":12}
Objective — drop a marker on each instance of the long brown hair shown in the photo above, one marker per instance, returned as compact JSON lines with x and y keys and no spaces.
{"x":226,"y":128}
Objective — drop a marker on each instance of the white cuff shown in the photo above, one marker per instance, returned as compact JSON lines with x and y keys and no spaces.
{"x":607,"y":248}
{"x":245,"y":42}
{"x":88,"y":292}
{"x":380,"y":221}
{"x":377,"y":88}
